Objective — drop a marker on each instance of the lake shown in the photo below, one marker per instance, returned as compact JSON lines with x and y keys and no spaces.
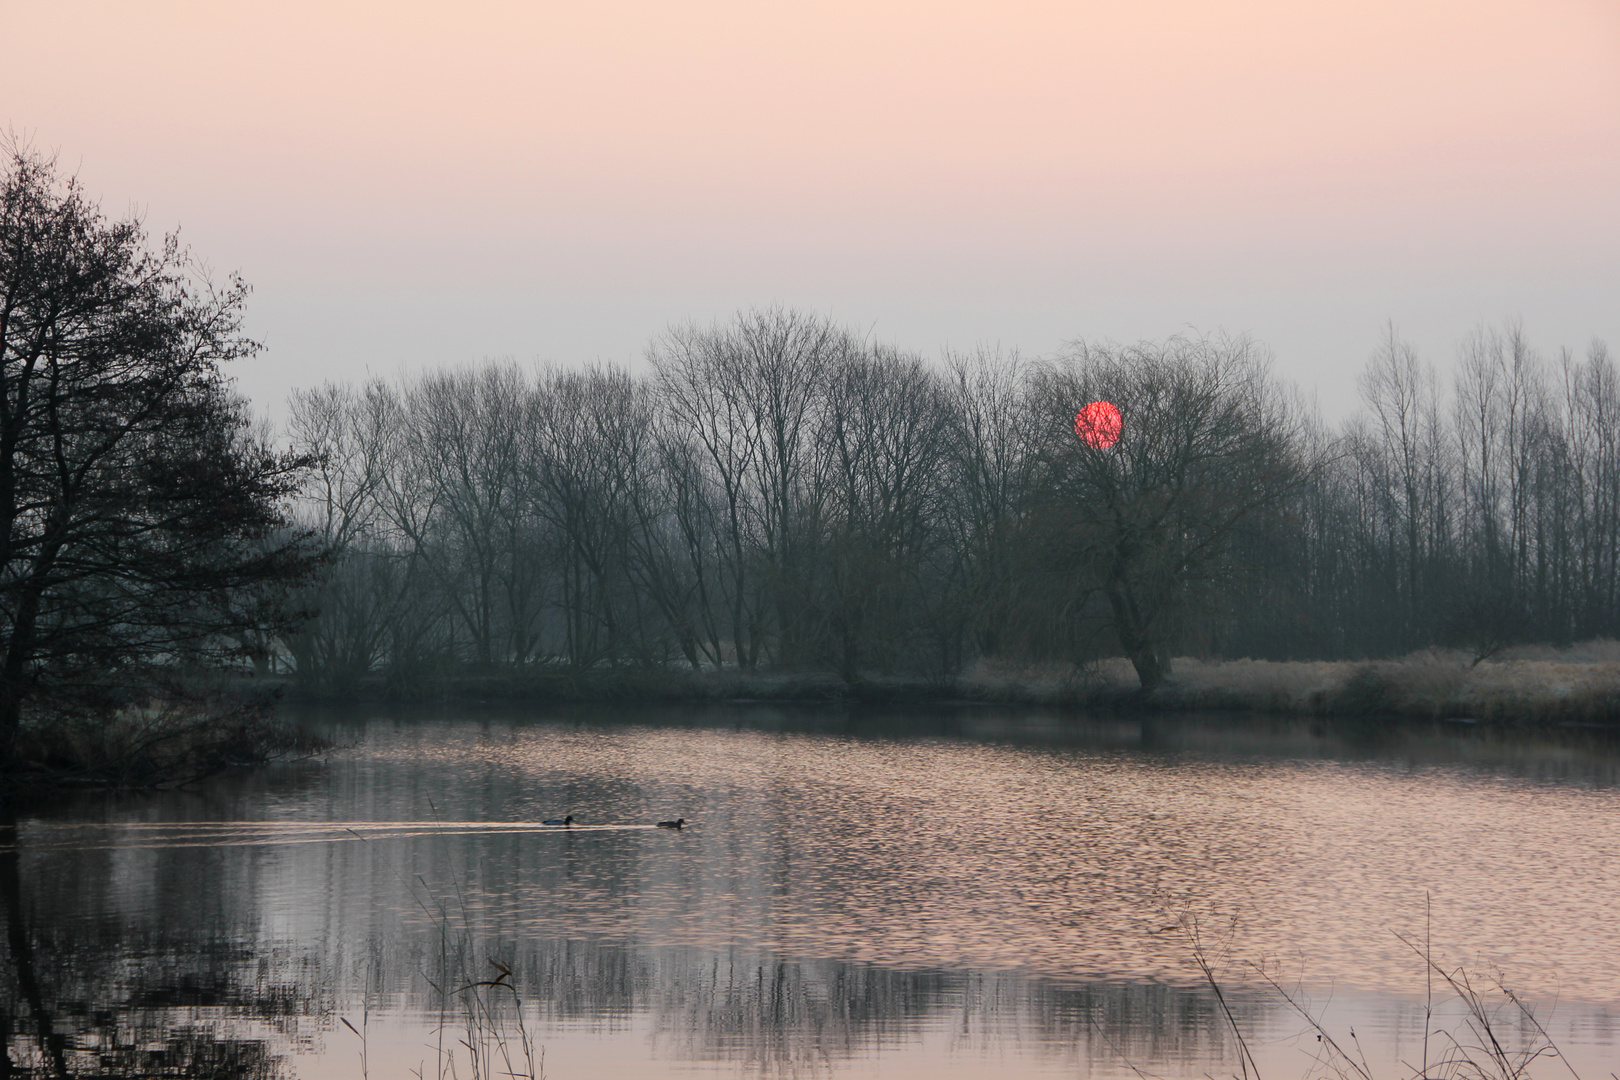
{"x":944,"y":892}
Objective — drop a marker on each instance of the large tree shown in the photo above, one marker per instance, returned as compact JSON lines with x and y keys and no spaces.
{"x":141,"y":530}
{"x":1208,"y":441}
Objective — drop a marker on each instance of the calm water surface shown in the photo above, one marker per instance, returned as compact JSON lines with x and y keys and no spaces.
{"x":944,"y":893}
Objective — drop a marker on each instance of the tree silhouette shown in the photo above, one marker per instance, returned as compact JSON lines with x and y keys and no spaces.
{"x":140,"y":522}
{"x":1206,"y":443}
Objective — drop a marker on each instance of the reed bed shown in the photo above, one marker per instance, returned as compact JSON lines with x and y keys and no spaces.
{"x":1579,"y":686}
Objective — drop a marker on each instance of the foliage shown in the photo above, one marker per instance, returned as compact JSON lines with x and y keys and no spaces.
{"x":141,"y":532}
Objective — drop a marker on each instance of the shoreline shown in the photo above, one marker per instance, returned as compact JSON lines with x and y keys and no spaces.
{"x":1555,"y":690}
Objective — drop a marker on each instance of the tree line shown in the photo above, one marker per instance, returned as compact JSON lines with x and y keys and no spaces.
{"x":1478,"y":511}
{"x":774,"y":491}
{"x":778,"y":491}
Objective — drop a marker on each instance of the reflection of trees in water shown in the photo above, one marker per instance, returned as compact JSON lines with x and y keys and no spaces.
{"x":165,"y":977}
{"x":788,"y":1016}
{"x":116,"y":1050}
{"x":76,"y":1002}
{"x":778,"y":1015}
{"x":190,"y":998}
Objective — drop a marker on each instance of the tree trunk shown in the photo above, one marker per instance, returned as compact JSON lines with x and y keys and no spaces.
{"x":1146,"y":656}
{"x":1151,"y":668}
{"x":14,"y":665}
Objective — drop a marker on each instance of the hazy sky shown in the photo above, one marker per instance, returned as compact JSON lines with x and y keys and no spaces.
{"x":409,"y":184}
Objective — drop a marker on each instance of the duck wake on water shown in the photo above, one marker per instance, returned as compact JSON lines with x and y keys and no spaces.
{"x":145,"y":834}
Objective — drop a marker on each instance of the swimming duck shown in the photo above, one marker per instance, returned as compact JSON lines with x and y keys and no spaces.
{"x":678,"y":823}
{"x":565,"y":822}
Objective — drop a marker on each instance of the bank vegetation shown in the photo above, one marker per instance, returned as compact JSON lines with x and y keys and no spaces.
{"x":777,"y":501}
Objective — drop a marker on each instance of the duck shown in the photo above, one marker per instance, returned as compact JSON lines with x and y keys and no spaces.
{"x":564,"y":821}
{"x":678,"y":823}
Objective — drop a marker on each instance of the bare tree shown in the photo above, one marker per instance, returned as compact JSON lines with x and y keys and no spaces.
{"x":677,"y":541}
{"x":1408,"y":447}
{"x":1208,"y":441}
{"x":991,"y":453}
{"x":704,"y":399}
{"x":1500,"y":426}
{"x":750,"y":394}
{"x":886,"y":432}
{"x":593,"y":441}
{"x":779,"y":361}
{"x":366,"y":591}
{"x":464,"y":441}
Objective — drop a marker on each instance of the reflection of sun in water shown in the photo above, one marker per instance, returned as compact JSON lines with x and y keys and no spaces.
{"x":1098,"y":424}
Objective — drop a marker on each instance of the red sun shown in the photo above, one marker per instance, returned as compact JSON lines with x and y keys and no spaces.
{"x":1098,"y":424}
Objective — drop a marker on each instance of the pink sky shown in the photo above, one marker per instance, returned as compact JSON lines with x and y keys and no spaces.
{"x":412,"y":184}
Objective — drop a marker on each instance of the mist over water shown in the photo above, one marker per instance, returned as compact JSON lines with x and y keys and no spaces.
{"x":954,"y":892}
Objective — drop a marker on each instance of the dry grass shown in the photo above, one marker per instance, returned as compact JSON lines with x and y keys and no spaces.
{"x":1580,"y":684}
{"x":1495,"y":1034}
{"x":1429,"y":685}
